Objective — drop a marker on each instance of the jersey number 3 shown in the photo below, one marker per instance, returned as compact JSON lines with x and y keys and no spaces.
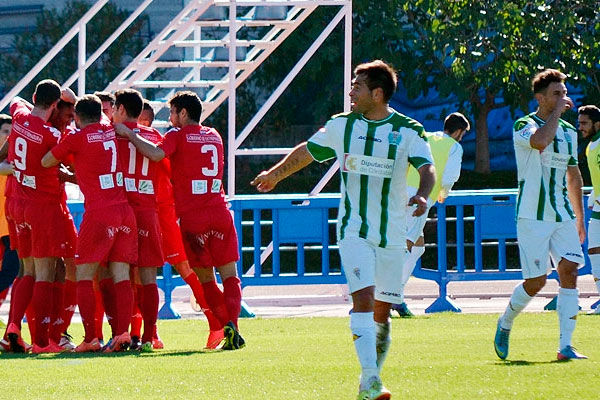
{"x":214,"y":159}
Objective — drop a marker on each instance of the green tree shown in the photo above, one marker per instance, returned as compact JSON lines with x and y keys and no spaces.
{"x":481,"y":53}
{"x":50,"y":28}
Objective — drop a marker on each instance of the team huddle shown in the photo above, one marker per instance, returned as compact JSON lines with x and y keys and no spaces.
{"x":148,"y":199}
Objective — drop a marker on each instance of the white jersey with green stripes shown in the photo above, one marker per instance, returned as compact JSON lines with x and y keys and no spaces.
{"x":542,"y":174}
{"x":374,"y":158}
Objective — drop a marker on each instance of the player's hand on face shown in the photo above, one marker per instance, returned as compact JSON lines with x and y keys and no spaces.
{"x":264,"y":182}
{"x":421,"y":204}
{"x":564,"y":104}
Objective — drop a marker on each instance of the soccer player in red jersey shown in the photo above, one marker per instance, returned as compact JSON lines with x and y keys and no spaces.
{"x":35,"y":207}
{"x":64,"y":288}
{"x":209,"y":236}
{"x":108,"y":231}
{"x":140,"y":186}
{"x":172,"y":244}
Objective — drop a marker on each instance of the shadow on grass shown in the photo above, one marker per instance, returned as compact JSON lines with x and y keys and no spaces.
{"x":121,"y":354}
{"x":523,"y":363}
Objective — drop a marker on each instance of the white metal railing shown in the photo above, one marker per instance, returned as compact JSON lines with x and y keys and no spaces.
{"x":83,"y":62}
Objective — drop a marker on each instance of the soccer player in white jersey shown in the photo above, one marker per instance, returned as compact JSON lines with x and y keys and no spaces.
{"x":374,"y":146}
{"x":549,"y":210}
{"x":447,"y":157}
{"x":589,"y":125}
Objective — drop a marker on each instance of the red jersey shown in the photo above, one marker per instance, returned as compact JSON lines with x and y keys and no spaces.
{"x":164,"y":194}
{"x":96,"y":161}
{"x":29,"y":141}
{"x":196,"y":155}
{"x":140,"y":174}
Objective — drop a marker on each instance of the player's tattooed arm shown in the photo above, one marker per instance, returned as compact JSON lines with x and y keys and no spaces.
{"x":297,"y":159}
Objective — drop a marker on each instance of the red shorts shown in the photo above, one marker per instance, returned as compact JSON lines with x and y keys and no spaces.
{"x":36,"y":224}
{"x":209,"y":237}
{"x":108,"y":235}
{"x":149,"y":247}
{"x":172,"y":244}
{"x":70,"y":232}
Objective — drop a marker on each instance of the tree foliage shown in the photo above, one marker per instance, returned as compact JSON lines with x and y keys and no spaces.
{"x":482,"y":53}
{"x":51,"y":26}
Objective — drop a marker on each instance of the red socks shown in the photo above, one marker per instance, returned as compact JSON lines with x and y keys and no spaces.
{"x":149,"y":309}
{"x":107,"y":288}
{"x":232,"y":291}
{"x":216,"y":301}
{"x":21,"y":298}
{"x":124,"y":306}
{"x":42,"y":305}
{"x":86,"y":300}
{"x":69,"y":304}
{"x":58,"y":289}
{"x":136,"y":315}
{"x":192,"y":280}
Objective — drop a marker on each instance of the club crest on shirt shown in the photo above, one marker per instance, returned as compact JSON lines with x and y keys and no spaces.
{"x":395,"y":137}
{"x":356,"y":272}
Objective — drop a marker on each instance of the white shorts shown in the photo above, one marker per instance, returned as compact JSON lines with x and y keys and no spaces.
{"x":415,"y":225}
{"x":366,"y":264}
{"x":538,"y":239}
{"x":594,"y":233}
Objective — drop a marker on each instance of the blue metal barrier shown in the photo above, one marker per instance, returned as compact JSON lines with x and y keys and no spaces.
{"x":277,"y":233}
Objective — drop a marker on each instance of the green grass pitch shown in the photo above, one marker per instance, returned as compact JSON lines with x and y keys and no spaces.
{"x":443,"y":356}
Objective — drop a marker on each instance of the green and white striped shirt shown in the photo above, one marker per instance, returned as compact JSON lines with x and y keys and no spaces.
{"x":542,"y":174}
{"x":374,"y":158}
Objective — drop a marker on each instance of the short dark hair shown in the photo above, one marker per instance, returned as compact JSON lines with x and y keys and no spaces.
{"x":190,"y":102}
{"x":89,"y":108}
{"x":148,"y":107}
{"x":543,"y":79}
{"x":63,"y":104}
{"x":456,"y":121}
{"x":105,"y":96}
{"x":590,"y":110}
{"x":5,"y":119}
{"x":131,"y":99}
{"x":46,"y":93}
{"x":379,"y":75}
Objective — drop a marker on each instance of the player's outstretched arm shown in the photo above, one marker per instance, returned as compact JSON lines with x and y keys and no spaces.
{"x":574,"y":185}
{"x":18,"y":99}
{"x":297,"y":159}
{"x":427,"y":180}
{"x":147,"y":148}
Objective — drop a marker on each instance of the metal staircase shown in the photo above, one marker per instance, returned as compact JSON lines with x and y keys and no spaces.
{"x":209,"y":47}
{"x":212,"y":46}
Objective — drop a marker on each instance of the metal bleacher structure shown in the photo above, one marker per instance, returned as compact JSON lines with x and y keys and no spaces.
{"x":285,"y":239}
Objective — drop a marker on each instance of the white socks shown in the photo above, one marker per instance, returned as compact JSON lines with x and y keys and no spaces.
{"x":362,"y":326}
{"x":383,"y":342}
{"x":411,"y":261}
{"x":567,"y":308}
{"x":518,"y":302}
